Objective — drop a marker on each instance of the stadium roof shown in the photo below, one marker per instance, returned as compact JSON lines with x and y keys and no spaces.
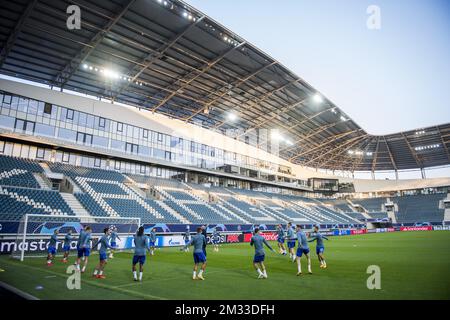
{"x":170,"y":58}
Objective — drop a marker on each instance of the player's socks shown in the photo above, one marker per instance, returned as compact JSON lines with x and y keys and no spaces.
{"x":200,"y":275}
{"x":135,"y":275}
{"x":260,"y":274}
{"x":299,"y":268}
{"x":194,"y":275}
{"x":140,"y":276}
{"x":95,"y":272}
{"x":84,"y":269}
{"x":265,"y":274}
{"x":309,"y":267}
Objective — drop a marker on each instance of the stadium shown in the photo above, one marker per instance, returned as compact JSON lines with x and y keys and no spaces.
{"x":151,"y":113}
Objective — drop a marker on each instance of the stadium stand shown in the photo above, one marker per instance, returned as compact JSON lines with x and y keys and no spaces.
{"x":15,"y":202}
{"x":110,"y":193}
{"x":419,"y":208}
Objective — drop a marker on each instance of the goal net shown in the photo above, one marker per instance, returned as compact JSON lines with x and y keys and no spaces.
{"x":34,"y":231}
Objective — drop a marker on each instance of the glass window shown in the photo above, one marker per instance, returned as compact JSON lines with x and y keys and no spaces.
{"x":14,"y":102}
{"x":119,"y":126}
{"x":65,"y":157}
{"x":145,"y":133}
{"x":45,"y":130}
{"x":69,"y":114}
{"x":32,"y":107}
{"x":117,"y":145}
{"x":67,"y":134}
{"x":131,"y":147}
{"x":7,"y":99}
{"x":90,"y":121}
{"x":82,"y":117}
{"x":101,"y":122}
{"x":100,"y":141}
{"x":97,"y":162}
{"x":22,"y":105}
{"x":40,"y":153}
{"x":48,"y":108}
{"x":2,"y":146}
{"x":159,"y":137}
{"x":84,"y":138}
{"x":142,"y":169}
{"x":117,"y":165}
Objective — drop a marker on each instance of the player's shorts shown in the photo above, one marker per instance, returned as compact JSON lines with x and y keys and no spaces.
{"x":320,"y":250}
{"x":199,"y":257}
{"x":301,"y":251}
{"x":280,"y":240}
{"x":113,"y":244}
{"x":51,"y":250}
{"x":291,"y":244}
{"x":66,"y":248}
{"x":151,"y":243}
{"x":84,"y":252}
{"x":258,"y":258}
{"x":102,"y":256}
{"x":138,"y":259}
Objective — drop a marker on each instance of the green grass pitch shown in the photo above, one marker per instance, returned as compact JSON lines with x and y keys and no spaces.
{"x":414,"y":265}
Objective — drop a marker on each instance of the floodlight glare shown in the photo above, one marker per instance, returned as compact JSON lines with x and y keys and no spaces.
{"x":232,"y":117}
{"x":317,"y":98}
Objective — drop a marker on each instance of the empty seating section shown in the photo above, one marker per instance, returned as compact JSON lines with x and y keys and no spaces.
{"x":378,"y":215}
{"x":257,"y":215}
{"x":168,"y":218}
{"x":19,"y":172}
{"x":207,"y":213}
{"x":371,"y":204}
{"x":355,"y":215}
{"x":18,"y":178}
{"x":106,"y":188}
{"x":180,"y":195}
{"x":130,"y":209}
{"x":75,"y":171}
{"x":419,"y":208}
{"x":153,"y":181}
{"x":92,"y":206}
{"x":10,"y":163}
{"x":15,"y":202}
{"x":104,"y":193}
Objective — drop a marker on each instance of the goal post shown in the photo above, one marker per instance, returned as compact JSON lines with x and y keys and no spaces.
{"x":34,"y":231}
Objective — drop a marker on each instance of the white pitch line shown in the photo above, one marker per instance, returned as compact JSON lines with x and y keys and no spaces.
{"x":130,"y":284}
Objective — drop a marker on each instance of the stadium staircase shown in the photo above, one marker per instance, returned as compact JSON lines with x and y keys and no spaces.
{"x":44,"y":183}
{"x":75,"y":205}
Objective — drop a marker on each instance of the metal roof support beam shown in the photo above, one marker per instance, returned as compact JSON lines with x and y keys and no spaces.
{"x":309,"y":135}
{"x":422,"y":171}
{"x":347,"y":145}
{"x":375,"y":157}
{"x":200,"y":72}
{"x":443,"y":143}
{"x":390,"y":154}
{"x":70,"y":68}
{"x":337,"y":137}
{"x":235,"y":85}
{"x":153,"y":57}
{"x":264,"y":97}
{"x":15,"y":33}
{"x":413,"y":152}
